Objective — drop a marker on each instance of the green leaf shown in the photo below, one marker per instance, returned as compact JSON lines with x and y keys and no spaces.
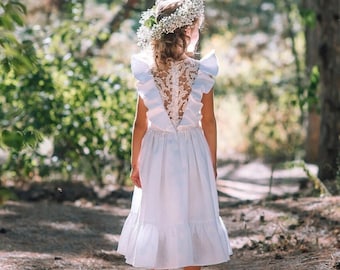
{"x":6,"y":22}
{"x":17,"y":18}
{"x":32,"y":138}
{"x":150,"y":22}
{"x":13,"y":139}
{"x":7,"y":37}
{"x":21,"y":7}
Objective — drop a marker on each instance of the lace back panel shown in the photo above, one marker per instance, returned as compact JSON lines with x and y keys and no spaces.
{"x":174,"y":84}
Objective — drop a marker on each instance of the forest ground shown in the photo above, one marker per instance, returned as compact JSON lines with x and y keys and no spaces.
{"x":69,"y":225}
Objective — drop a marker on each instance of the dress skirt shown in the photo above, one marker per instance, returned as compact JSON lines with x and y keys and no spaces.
{"x":174,"y":220}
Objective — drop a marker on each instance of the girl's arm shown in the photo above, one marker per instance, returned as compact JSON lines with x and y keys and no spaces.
{"x":139,"y":129}
{"x":209,"y":125}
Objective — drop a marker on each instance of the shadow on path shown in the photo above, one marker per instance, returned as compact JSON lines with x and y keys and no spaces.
{"x":68,"y":226}
{"x":251,"y":180}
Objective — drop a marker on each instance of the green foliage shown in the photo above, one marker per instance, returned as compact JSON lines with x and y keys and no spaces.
{"x":94,"y":113}
{"x":261,"y":49}
{"x":274,"y":131}
{"x":73,"y":10}
{"x":308,"y":17}
{"x":17,"y":140}
{"x":86,"y":116}
{"x":312,"y":98}
{"x":15,"y":55}
{"x":12,"y":14}
{"x":16,"y":58}
{"x":50,"y":87}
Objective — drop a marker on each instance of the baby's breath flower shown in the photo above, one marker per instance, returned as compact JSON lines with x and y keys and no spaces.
{"x":184,"y":15}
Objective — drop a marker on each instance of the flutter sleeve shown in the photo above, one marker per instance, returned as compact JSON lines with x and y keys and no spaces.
{"x":142,"y":72}
{"x":208,"y":71}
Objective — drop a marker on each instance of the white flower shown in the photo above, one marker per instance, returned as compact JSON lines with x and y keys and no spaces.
{"x":184,"y":15}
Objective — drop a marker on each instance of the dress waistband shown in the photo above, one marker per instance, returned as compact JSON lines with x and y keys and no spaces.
{"x":174,"y":130}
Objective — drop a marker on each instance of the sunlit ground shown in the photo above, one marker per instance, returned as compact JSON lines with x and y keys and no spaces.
{"x":268,"y":235}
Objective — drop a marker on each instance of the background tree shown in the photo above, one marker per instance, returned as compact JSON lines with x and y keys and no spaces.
{"x":81,"y":78}
{"x":329,"y":19}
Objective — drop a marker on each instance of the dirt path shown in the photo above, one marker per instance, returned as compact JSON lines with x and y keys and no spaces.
{"x":281,"y":234}
{"x":70,"y":226}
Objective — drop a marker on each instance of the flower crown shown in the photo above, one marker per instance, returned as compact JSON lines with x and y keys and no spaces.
{"x":184,"y":15}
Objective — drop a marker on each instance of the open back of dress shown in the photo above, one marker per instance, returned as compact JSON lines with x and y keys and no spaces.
{"x":174,"y":84}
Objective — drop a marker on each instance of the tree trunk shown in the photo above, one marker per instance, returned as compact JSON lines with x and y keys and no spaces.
{"x":329,"y":54}
{"x":312,"y":34}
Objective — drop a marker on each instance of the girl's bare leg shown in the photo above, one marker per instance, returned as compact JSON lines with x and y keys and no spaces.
{"x":192,"y":268}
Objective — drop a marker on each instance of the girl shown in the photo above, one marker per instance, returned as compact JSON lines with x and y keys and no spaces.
{"x":174,"y":219}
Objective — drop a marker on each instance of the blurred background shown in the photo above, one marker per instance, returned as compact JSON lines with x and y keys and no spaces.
{"x":68,"y":97}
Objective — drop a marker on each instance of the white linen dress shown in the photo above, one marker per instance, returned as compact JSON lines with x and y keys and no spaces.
{"x":174,"y":219}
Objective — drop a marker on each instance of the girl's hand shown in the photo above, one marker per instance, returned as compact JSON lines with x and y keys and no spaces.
{"x":134,"y":175}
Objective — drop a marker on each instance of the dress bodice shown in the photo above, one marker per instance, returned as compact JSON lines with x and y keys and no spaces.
{"x":173,"y":96}
{"x":174,"y":83}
